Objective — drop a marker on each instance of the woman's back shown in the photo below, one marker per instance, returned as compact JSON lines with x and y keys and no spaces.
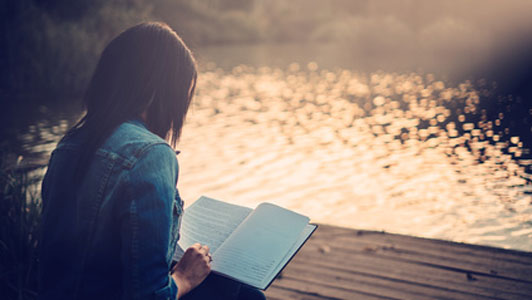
{"x":125,"y":209}
{"x":111,"y":210}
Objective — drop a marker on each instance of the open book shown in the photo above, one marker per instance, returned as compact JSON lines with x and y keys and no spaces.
{"x":250,"y":246}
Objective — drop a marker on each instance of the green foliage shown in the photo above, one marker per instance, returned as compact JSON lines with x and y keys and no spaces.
{"x":53,"y":46}
{"x":54,"y":50}
{"x":20,"y":211}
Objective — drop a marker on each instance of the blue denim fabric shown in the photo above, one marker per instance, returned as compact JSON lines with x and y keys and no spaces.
{"x":113,"y":236}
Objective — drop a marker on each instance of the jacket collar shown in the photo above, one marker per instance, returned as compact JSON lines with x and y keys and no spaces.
{"x":140,"y":122}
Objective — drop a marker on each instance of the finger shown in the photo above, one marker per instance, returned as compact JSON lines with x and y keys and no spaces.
{"x":207,"y":259}
{"x":204,"y":250}
{"x":196,"y":245}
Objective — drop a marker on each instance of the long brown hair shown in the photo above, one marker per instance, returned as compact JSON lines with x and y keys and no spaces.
{"x":146,"y":68}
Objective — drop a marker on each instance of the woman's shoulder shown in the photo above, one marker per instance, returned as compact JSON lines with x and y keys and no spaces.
{"x":131,"y":140}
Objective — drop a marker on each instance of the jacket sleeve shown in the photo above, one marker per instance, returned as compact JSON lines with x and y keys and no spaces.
{"x":146,"y":222}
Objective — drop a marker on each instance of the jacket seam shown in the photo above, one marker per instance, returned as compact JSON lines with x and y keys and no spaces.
{"x":140,"y":152}
{"x":95,"y":209}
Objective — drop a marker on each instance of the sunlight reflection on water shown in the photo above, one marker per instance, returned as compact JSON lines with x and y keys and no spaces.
{"x":378,"y":151}
{"x":401,"y":152}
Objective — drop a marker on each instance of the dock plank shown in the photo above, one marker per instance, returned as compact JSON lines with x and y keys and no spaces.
{"x":474,"y":258}
{"x":421,"y":274}
{"x":341,"y":263}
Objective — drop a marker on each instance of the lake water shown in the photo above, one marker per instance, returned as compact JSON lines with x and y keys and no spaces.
{"x":408,"y":152}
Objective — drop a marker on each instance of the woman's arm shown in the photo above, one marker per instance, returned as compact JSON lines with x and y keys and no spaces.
{"x":146,"y":220}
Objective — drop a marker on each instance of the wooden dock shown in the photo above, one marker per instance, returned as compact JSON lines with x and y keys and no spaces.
{"x":340,"y":263}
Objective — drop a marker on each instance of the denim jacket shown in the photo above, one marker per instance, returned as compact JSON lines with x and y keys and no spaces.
{"x":112,"y":237}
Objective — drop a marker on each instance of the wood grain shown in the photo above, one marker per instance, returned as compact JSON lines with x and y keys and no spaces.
{"x":341,"y":263}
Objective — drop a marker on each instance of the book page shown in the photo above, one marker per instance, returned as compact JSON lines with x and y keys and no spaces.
{"x":309,"y":229}
{"x":259,"y":244}
{"x":209,"y":222}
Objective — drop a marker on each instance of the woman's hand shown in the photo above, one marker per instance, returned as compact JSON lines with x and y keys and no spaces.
{"x":192,"y":269}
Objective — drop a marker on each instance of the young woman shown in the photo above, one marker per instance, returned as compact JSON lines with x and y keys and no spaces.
{"x":111,"y":210}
